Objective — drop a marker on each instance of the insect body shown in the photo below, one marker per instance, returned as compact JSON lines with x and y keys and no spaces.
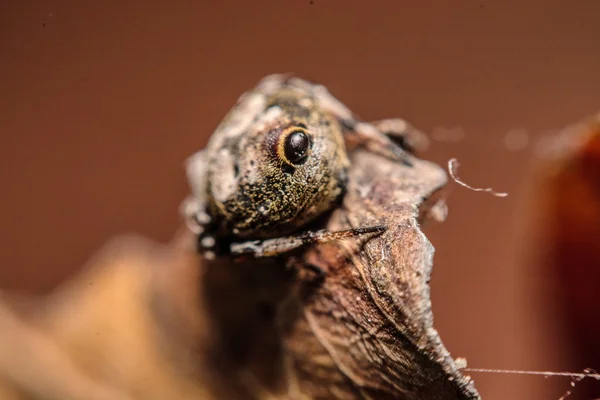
{"x":276,"y":162}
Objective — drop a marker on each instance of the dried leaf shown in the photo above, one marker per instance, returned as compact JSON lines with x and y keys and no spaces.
{"x":365,"y":330}
{"x":159,"y":322}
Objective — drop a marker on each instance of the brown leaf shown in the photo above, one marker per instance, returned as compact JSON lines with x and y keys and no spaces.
{"x":365,"y":330}
{"x":371,"y":318}
{"x":149,"y":321}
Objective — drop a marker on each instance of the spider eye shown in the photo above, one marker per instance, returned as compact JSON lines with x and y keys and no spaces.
{"x":295,"y":146}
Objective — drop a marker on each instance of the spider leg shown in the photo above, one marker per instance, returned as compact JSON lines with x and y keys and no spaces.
{"x":193,"y":208}
{"x":362,"y":133}
{"x":368,"y":136}
{"x":404,"y":134}
{"x":276,"y":246}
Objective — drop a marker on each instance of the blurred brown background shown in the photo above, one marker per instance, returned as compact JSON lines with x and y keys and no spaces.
{"x":101,"y":102}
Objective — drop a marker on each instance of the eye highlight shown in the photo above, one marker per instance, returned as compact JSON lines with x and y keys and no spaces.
{"x":294,"y":145}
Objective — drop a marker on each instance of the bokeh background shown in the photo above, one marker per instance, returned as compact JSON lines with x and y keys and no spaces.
{"x":101,"y":102}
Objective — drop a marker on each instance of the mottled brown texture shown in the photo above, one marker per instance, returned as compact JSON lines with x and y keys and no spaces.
{"x":245,"y":187}
{"x":242,"y":182}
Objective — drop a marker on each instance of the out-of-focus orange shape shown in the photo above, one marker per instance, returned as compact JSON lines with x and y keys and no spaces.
{"x":572,"y":198}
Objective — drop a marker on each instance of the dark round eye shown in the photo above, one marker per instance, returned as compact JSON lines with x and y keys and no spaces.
{"x":296,"y":147}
